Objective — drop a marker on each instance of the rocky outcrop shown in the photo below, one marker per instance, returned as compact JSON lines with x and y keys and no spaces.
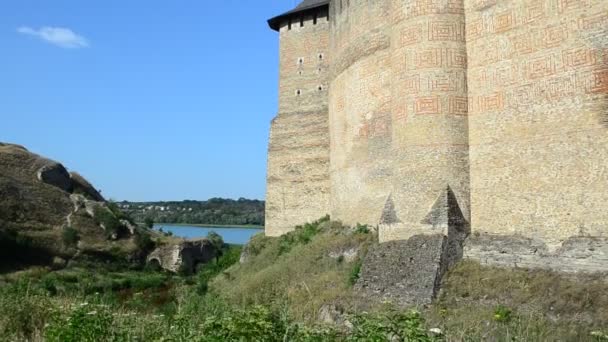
{"x":56,"y":175}
{"x":182,"y":255}
{"x":39,"y":199}
{"x":82,"y":186}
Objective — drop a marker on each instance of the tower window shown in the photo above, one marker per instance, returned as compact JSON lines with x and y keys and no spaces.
{"x":301,"y":21}
{"x":320,"y":88}
{"x":314,"y":19}
{"x":300,"y":61}
{"x":289,"y":24}
{"x":320,"y":56}
{"x":298,"y":92}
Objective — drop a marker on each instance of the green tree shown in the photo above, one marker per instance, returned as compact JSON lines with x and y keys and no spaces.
{"x":218,"y":244}
{"x":149,"y":222}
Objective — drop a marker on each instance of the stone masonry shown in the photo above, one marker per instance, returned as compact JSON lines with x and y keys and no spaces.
{"x":488,"y":118}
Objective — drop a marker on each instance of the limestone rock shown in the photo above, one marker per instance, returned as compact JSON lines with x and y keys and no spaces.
{"x":56,"y":175}
{"x":81,"y":185}
{"x":37,"y":203}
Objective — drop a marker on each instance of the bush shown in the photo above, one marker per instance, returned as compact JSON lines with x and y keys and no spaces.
{"x":144,"y":242}
{"x":392,"y":326}
{"x":85,"y":323}
{"x":69,"y":236}
{"x":111,"y":223}
{"x":354,"y":273}
{"x":502,"y":314}
{"x":149,"y":222}
{"x":362,"y":229}
{"x":301,"y":235}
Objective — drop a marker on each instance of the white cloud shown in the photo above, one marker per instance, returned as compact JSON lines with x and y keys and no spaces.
{"x":60,"y":36}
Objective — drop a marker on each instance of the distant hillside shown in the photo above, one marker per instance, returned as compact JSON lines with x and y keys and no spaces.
{"x":214,"y":211}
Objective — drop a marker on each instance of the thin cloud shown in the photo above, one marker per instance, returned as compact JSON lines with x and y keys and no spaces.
{"x":59,"y":36}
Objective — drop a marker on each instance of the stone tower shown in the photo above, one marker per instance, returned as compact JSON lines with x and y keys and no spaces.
{"x":298,"y":152}
{"x":444,"y":117}
{"x":398,"y":113}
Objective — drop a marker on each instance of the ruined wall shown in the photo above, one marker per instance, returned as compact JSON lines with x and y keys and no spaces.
{"x":398,"y":113}
{"x":538,"y":90}
{"x":298,"y":153}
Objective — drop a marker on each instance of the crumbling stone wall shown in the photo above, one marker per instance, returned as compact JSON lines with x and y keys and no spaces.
{"x":182,"y":255}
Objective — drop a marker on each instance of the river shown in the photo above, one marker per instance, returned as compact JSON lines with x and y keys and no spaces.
{"x":233,"y":235}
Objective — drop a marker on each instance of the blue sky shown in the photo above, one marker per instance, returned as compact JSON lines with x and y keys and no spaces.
{"x":149,"y":100}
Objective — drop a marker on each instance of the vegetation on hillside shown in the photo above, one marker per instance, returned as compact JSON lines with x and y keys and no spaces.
{"x":295,"y":288}
{"x":218,"y":211}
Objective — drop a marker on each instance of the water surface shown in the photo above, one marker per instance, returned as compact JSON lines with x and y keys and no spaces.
{"x":234,"y":235}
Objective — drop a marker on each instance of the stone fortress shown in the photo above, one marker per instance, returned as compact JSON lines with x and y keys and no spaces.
{"x":484,"y":120}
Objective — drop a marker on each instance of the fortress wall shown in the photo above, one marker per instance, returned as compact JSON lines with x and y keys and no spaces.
{"x":538,"y":104}
{"x":398,"y":112}
{"x":360,"y":109}
{"x":430,"y":128}
{"x":298,"y":153}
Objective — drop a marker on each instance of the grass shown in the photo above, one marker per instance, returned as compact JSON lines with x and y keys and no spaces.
{"x":294,"y":271}
{"x":277,"y":294}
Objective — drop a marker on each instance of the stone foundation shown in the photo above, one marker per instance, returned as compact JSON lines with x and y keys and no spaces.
{"x":576,"y":254}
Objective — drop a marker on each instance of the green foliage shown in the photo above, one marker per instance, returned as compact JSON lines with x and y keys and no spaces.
{"x":149,"y":222}
{"x":217,"y":242}
{"x":301,"y":235}
{"x":25,"y":311}
{"x":217,"y":211}
{"x":392,"y":326}
{"x":354,"y":273}
{"x":255,"y":324}
{"x":502,"y":314}
{"x":208,"y":271}
{"x":87,"y":323}
{"x":110,"y":221}
{"x":362,"y":229}
{"x":69,"y":236}
{"x":118,"y":213}
{"x":144,"y":241}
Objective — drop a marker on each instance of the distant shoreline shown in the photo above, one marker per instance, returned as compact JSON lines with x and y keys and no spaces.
{"x":200,"y":225}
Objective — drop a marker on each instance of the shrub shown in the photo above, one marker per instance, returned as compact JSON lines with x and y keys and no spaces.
{"x":85,"y":323}
{"x":362,"y":229}
{"x":111,"y":223}
{"x":502,"y":314}
{"x":144,"y":242}
{"x":392,"y":326}
{"x":149,"y":222}
{"x":354,"y":273}
{"x":69,"y":236}
{"x":300,"y":236}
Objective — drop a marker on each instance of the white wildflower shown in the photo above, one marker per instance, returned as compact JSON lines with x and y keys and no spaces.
{"x":436,"y":331}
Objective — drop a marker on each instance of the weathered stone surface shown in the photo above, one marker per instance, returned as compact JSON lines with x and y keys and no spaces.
{"x":501,"y":102}
{"x":36,"y":203}
{"x":404,"y":272}
{"x":56,"y":175}
{"x":577,"y":254}
{"x":182,"y":255}
{"x":298,"y":151}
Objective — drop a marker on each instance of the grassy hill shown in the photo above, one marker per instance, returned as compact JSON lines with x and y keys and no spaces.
{"x":298,"y":287}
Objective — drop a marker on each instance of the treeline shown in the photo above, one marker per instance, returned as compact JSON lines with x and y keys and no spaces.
{"x":219,"y":211}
